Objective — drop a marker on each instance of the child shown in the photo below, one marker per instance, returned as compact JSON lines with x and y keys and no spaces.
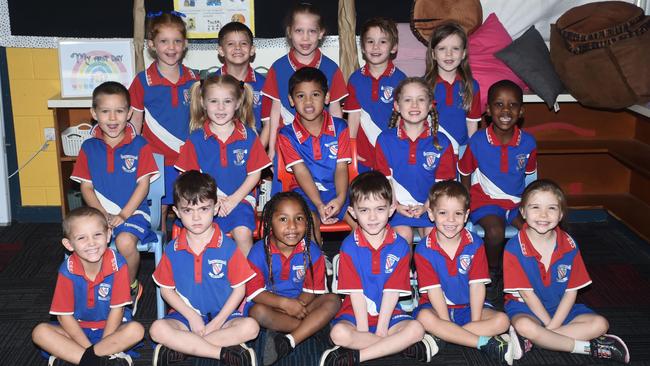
{"x":236,"y":51}
{"x":161,"y":96}
{"x":543,"y":271}
{"x":456,"y":92}
{"x":204,"y":321}
{"x":316,"y":147}
{"x":93,"y":327}
{"x":414,"y":155}
{"x":370,"y":100}
{"x":114,"y":168}
{"x":498,"y":159}
{"x":452,"y":273}
{"x":374,"y":272}
{"x":288,"y":293}
{"x":223,"y":144}
{"x":305,"y":30}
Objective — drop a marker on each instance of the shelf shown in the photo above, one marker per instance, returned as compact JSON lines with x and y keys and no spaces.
{"x":68,"y":158}
{"x":58,"y":102}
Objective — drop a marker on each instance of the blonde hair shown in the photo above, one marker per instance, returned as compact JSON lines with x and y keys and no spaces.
{"x":242,"y":92}
{"x":395,"y":116}
{"x":439,"y":34}
{"x":155,"y":23}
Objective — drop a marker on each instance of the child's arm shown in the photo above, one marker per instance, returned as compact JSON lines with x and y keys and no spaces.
{"x":139,"y":194}
{"x":535,"y":305}
{"x":113,"y":321}
{"x":388,"y":302}
{"x":228,"y":203}
{"x":72,"y":328}
{"x":172,"y":298}
{"x":306,"y":182}
{"x":335,"y":109}
{"x":472,"y":126}
{"x":333,"y":207}
{"x":306,"y":297}
{"x":274,"y":123}
{"x":360,"y":309}
{"x":563,"y":309}
{"x":136,"y":120}
{"x":292,"y":307}
{"x":235,"y":298}
{"x":89,"y":196}
{"x":354,"y":120}
{"x":265,"y":133}
{"x":437,"y":300}
{"x":476,"y":300}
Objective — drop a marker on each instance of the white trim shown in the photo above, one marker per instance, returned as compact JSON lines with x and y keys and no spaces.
{"x":515,"y":290}
{"x":287,"y":166}
{"x":260,"y":169}
{"x":252,"y":296}
{"x":80,"y":180}
{"x":480,"y":280}
{"x":406,"y":292}
{"x":579,"y":287}
{"x":60,"y":313}
{"x":121,"y":305}
{"x":317,"y":292}
{"x":344,"y":160}
{"x":161,"y":133}
{"x":348,"y":291}
{"x":161,"y":285}
{"x":154,"y":175}
{"x":244,"y":281}
{"x":341,"y":98}
{"x":427,"y":288}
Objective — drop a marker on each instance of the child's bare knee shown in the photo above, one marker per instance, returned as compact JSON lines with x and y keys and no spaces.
{"x":40,"y":331}
{"x":341,"y":335}
{"x":159,"y":331}
{"x":501,"y":321}
{"x":126,"y":243}
{"x":526,"y":327}
{"x":134,"y":331}
{"x":331,"y":302}
{"x":600,"y":324}
{"x":250,"y":328}
{"x":414,"y":331}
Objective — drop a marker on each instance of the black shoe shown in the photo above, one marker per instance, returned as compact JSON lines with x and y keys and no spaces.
{"x":610,"y":347}
{"x":423,"y":350}
{"x":163,"y":356}
{"x":339,"y":356}
{"x":499,"y":349}
{"x":136,"y":294}
{"x":494,"y":290}
{"x":239,"y":355}
{"x":276,"y":346}
{"x":53,"y":361}
{"x":118,"y":359}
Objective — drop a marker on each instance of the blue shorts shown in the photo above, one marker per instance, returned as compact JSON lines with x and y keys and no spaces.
{"x":242,"y":215}
{"x":325,"y":196}
{"x":138,"y":226}
{"x":507,"y":215}
{"x":401,"y":220}
{"x":514,"y":307}
{"x":396,"y":318}
{"x":459,"y":316}
{"x":170,"y":177}
{"x":206,"y":318}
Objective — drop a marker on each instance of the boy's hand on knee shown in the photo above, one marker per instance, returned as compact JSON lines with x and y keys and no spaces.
{"x":295,"y":308}
{"x":417,"y":210}
{"x":226,"y":205}
{"x":404,"y":210}
{"x":196,"y":325}
{"x":115,"y":220}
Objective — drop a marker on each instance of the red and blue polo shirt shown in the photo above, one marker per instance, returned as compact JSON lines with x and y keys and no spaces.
{"x":449,"y":103}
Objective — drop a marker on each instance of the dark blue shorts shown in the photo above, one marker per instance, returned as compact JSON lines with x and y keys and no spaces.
{"x":507,"y":215}
{"x":242,"y":215}
{"x":400,"y":220}
{"x":395,"y":319}
{"x":459,"y":316}
{"x":325,"y":196}
{"x":170,"y":177}
{"x":137,"y":225}
{"x":514,"y":307}
{"x":206,"y":318}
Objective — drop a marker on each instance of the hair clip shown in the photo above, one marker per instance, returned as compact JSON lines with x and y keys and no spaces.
{"x":177,"y":13}
{"x":241,"y":84}
{"x":153,"y":14}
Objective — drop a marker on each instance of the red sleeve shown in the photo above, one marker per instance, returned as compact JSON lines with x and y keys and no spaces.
{"x":63,"y":300}
{"x":121,"y":291}
{"x":531,"y":166}
{"x":187,"y":159}
{"x":467,"y":163}
{"x":315,"y":284}
{"x":351,"y":102}
{"x":343,"y":153}
{"x":479,"y":266}
{"x":146,"y":163}
{"x":447,"y":166}
{"x":163,"y":275}
{"x":514,"y":277}
{"x":289,"y":155}
{"x":475,"y":109}
{"x":579,"y":277}
{"x":257,"y":160}
{"x":338,"y":90}
{"x":80,"y":172}
{"x":239,"y":272}
{"x":349,"y":280}
{"x":256,"y":283}
{"x":270,"y":88}
{"x":427,"y":276}
{"x":381,"y":164}
{"x":136,"y":92}
{"x":267,"y":103}
{"x":400,"y":279}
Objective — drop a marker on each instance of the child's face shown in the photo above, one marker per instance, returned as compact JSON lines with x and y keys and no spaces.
{"x":220,"y":103}
{"x":450,"y":215}
{"x":289,"y":224}
{"x":505,"y":109}
{"x":197,"y":219}
{"x":413,"y":103}
{"x":372,"y":214}
{"x":309,"y":100}
{"x":89,"y":238}
{"x":236,"y":49}
{"x":169,"y":45}
{"x":377,"y":46}
{"x":448,"y":53}
{"x":542,"y":212}
{"x":111,"y":113}
{"x":305,"y":34}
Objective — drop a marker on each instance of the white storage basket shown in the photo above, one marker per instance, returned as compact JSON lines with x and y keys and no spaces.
{"x":73,"y":136}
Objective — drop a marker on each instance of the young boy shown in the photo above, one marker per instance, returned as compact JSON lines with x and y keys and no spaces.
{"x":92,"y":290}
{"x":236,"y":52}
{"x":204,"y":321}
{"x":375,"y":272}
{"x":498,"y":159}
{"x":316,"y":148}
{"x":452,"y":273}
{"x":370,"y":89}
{"x":114,"y":168}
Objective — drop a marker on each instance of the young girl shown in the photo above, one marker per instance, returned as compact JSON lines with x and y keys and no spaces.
{"x":414,"y":155}
{"x":456,"y":92}
{"x":288,"y":293}
{"x":223,"y":144}
{"x":543,"y":271}
{"x":160,"y":95}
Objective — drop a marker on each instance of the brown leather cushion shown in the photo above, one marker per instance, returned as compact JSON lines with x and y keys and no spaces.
{"x":426,"y":15}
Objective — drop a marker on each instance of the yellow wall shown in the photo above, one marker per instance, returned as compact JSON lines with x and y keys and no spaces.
{"x":33,"y":79}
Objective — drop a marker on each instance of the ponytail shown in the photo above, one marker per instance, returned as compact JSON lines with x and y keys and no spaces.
{"x":245,"y":111}
{"x":197,"y":112}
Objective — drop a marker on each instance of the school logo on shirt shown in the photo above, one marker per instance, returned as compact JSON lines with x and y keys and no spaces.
{"x":563,"y":273}
{"x":430,"y":159}
{"x":299,"y":270}
{"x":103,"y":291}
{"x":521,"y":161}
{"x":218,"y":268}
{"x":186,"y":97}
{"x":387,"y":94}
{"x":333,"y":148}
{"x":257,"y":98}
{"x":391,"y":259}
{"x":240,"y":156}
{"x":464,"y":261}
{"x":128,"y":163}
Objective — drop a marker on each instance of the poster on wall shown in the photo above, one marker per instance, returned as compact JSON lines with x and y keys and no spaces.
{"x":204,"y":18}
{"x":84,"y":64}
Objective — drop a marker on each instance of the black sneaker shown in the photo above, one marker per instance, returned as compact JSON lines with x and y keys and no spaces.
{"x":136,"y":294}
{"x":239,"y":355}
{"x":423,"y":350}
{"x":339,"y":356}
{"x":118,"y":359}
{"x":494,"y":290}
{"x":163,"y":356}
{"x":520,"y":345}
{"x":439,"y":343}
{"x":610,"y":347}
{"x":276,"y":346}
{"x":499,"y":349}
{"x":53,"y":361}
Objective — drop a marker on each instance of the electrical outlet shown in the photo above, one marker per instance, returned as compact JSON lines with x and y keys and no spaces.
{"x":49,"y":134}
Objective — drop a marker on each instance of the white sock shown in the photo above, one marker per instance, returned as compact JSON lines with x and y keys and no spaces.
{"x":292,"y":341}
{"x":581,"y":347}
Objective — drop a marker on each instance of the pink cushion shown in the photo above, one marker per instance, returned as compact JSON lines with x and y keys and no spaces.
{"x":411,"y":56}
{"x":489,"y":38}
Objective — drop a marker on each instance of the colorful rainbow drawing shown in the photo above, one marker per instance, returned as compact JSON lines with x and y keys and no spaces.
{"x":99,"y":67}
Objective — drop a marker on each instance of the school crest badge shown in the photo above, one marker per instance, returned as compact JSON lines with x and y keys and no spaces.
{"x":186,"y":97}
{"x":386,"y":94}
{"x":257,"y":100}
{"x":333,"y":148}
{"x":299,"y":273}
{"x":217,"y":268}
{"x":430,"y":160}
{"x":464,"y":261}
{"x":129,"y":163}
{"x":521,"y":161}
{"x":240,"y":156}
{"x":104,"y":292}
{"x":563,"y":273}
{"x":391,"y":259}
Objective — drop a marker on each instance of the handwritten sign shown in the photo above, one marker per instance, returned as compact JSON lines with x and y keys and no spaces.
{"x":204,"y":18}
{"x":85,"y":64}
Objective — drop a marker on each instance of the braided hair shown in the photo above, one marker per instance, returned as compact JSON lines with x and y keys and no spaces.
{"x":267,"y":229}
{"x":433,"y":112}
